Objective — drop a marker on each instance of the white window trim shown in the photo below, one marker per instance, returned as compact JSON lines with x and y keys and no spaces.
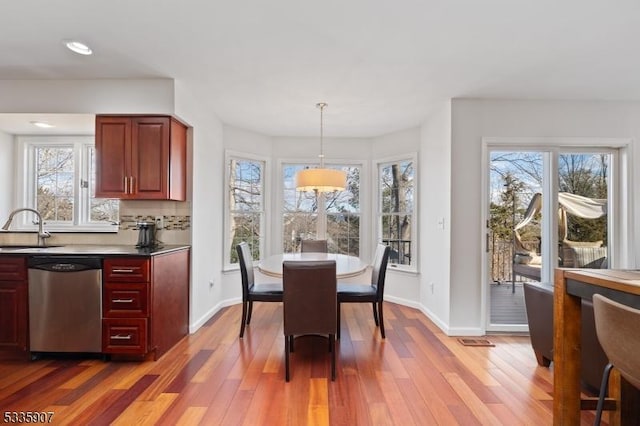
{"x":25,"y":179}
{"x":266,"y":200}
{"x":277,"y":243}
{"x":377,"y":231}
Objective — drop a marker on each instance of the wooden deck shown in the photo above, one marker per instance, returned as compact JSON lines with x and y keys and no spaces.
{"x":507,"y":307}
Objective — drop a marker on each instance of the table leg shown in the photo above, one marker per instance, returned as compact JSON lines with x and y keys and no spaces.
{"x":566,"y":354}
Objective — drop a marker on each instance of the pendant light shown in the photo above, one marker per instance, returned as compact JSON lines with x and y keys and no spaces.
{"x":321,"y":179}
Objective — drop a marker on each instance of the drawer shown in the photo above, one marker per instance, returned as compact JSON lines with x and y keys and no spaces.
{"x":13,"y":268}
{"x":126,"y":269}
{"x":125,"y":300}
{"x":124,"y":336}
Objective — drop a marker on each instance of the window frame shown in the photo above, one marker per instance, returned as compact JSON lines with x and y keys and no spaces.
{"x":363,"y":210}
{"x":415,"y":248}
{"x":26,"y":184}
{"x":264,"y":229}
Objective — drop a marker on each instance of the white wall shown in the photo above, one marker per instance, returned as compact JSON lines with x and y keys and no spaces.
{"x":474,"y":119}
{"x":87,"y":96}
{"x":6,"y":173}
{"x":435,"y":215}
{"x":207,"y":201}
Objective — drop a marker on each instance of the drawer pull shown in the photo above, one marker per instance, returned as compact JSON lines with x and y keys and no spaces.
{"x":121,"y":337}
{"x":125,"y":271}
{"x":122,"y":301}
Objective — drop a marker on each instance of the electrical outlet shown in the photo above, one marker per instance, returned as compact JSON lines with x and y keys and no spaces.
{"x":159,"y":222}
{"x":211,"y":283}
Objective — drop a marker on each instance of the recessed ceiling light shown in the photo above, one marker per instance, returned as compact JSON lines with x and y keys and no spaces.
{"x":78,"y":47}
{"x":42,"y":124}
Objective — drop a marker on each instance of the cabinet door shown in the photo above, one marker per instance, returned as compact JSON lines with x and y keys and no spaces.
{"x":113,"y":157}
{"x":13,"y":315}
{"x":150,"y":157}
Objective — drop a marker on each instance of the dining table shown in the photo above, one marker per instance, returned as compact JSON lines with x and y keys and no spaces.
{"x":346,"y":266}
{"x":571,"y":286}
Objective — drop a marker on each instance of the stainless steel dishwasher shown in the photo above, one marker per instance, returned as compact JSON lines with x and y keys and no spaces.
{"x":65,"y":304}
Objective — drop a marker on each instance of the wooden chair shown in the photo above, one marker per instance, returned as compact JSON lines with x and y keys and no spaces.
{"x":310,"y":304}
{"x":317,"y":246}
{"x":372,"y":293}
{"x":252,"y":292}
{"x":617,"y":329}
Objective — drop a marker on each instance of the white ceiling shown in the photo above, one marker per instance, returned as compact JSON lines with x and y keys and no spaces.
{"x":381,"y":65}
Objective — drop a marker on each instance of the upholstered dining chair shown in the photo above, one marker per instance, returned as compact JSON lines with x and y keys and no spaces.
{"x":252,"y":292}
{"x":309,"y":304}
{"x":617,"y":330}
{"x":317,"y":246}
{"x":371,"y":293}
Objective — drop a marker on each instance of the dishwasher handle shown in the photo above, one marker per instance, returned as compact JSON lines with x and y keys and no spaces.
{"x":64,"y":263}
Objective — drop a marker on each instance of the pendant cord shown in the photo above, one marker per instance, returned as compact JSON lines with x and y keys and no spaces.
{"x":321,"y":105}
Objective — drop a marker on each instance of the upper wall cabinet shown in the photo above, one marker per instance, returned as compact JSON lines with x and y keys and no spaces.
{"x":141,"y":158}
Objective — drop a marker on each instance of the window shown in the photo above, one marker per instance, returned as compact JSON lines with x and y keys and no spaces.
{"x":58,"y":180}
{"x":397,"y":209}
{"x":301,"y":219}
{"x":245,"y":213}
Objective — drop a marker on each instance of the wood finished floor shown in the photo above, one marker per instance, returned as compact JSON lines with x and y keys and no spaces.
{"x":417,"y":376}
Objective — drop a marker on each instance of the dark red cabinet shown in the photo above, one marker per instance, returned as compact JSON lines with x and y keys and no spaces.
{"x":141,"y":157}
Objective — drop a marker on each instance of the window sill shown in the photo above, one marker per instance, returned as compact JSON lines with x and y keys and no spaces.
{"x":394,"y":268}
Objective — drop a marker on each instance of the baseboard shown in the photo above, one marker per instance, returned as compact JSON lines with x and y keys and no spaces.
{"x":193,"y":327}
{"x":449,"y":331}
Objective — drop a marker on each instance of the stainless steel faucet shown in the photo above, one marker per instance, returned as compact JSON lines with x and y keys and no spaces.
{"x":42,"y":234}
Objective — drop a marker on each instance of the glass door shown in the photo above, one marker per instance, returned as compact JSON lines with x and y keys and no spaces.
{"x":546,"y":208}
{"x":514,"y":238}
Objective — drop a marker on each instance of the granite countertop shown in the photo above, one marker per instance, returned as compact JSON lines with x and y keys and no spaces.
{"x":88,"y":249}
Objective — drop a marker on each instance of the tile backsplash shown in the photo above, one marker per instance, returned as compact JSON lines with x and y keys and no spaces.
{"x":176,"y":217}
{"x":171,"y":223}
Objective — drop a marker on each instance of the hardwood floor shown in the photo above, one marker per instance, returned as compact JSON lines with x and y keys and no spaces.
{"x":416,"y":376}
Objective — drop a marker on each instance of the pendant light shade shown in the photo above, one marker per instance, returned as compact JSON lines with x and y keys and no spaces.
{"x":321,"y":179}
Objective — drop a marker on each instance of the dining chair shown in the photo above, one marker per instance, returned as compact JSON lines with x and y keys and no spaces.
{"x":617,"y":330}
{"x":252,"y":292}
{"x":317,"y":246}
{"x":369,"y":293}
{"x":309,"y":304}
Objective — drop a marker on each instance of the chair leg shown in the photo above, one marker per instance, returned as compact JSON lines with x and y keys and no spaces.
{"x":250,"y":311}
{"x":603,"y":393}
{"x":375,"y":314}
{"x":286,"y":357}
{"x":244,"y":319}
{"x":381,"y":319}
{"x":291,"y":343}
{"x":338,"y":333}
{"x":332,"y":340}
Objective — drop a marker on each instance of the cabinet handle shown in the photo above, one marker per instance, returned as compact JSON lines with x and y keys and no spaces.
{"x":122,"y":301}
{"x":125,"y":271}
{"x":121,"y":337}
{"x":126,"y":185}
{"x":131,"y":184}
